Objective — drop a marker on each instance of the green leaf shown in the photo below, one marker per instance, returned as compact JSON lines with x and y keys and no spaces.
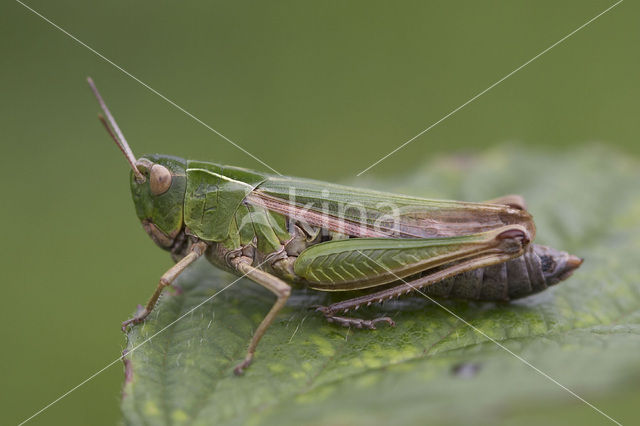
{"x":583,"y":333}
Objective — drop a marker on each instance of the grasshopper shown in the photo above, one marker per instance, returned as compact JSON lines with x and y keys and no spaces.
{"x":282,"y":231}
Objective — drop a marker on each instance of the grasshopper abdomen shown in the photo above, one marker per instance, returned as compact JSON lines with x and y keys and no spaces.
{"x":537,"y":269}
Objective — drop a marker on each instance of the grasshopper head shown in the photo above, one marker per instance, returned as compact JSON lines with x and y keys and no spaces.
{"x":158,"y":184}
{"x":158,"y":194}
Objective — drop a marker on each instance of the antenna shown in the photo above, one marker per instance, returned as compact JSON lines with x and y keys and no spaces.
{"x":116,"y":133}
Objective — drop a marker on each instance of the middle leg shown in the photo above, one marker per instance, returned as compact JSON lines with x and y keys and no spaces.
{"x":271,"y":283}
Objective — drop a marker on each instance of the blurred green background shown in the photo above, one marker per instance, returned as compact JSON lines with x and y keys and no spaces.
{"x":318,"y":89}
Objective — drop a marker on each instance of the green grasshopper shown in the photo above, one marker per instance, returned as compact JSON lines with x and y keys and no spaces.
{"x":281,"y":231}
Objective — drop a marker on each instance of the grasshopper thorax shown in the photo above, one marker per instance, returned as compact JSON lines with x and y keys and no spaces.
{"x":159,"y":197}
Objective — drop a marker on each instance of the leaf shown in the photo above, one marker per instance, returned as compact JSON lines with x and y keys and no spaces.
{"x":583,"y":333}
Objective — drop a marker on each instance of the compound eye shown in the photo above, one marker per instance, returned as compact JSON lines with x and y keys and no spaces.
{"x":159,"y":179}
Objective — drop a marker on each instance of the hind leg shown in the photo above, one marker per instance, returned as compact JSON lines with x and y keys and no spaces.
{"x":354,"y":322}
{"x":511,"y":200}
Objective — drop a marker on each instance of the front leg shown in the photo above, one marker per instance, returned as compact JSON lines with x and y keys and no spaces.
{"x":167,"y":278}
